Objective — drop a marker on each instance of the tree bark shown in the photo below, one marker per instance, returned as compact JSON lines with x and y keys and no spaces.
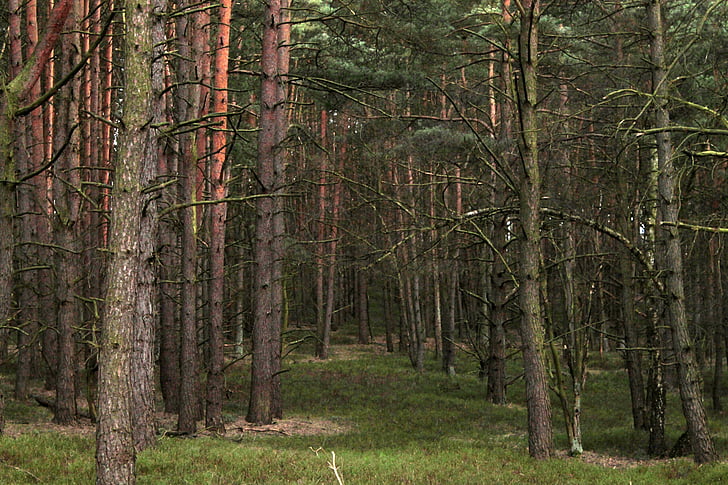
{"x":715,"y":302}
{"x":265,"y":399}
{"x":67,"y":221}
{"x":218,"y":214}
{"x":187,"y":108}
{"x":669,"y":207}
{"x":540,"y":440}
{"x":115,"y":450}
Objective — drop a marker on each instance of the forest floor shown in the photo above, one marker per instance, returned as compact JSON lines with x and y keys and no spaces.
{"x":367,"y":414}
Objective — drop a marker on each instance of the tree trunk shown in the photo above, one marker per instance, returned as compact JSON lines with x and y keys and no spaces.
{"x":115,"y":452}
{"x":540,"y":440}
{"x":67,"y":224}
{"x":188,"y":107}
{"x":715,"y":302}
{"x":218,"y":214}
{"x":30,"y":157}
{"x":265,"y":396}
{"x":669,"y":206}
{"x":143,"y":358}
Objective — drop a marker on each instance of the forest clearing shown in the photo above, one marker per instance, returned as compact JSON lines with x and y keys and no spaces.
{"x":385,"y":424}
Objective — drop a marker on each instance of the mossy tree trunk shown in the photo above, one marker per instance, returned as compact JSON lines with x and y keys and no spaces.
{"x":118,"y":374}
{"x":540,"y":439}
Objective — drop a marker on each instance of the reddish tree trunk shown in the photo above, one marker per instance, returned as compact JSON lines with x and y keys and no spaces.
{"x":67,"y":222}
{"x":265,"y":395}
{"x":218,"y":215}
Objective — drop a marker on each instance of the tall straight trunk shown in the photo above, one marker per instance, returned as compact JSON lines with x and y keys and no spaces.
{"x":115,"y":450}
{"x":187,"y":107}
{"x":27,"y":256}
{"x":448,"y":341}
{"x":437,"y":310}
{"x":448,"y":331}
{"x":633,"y":361}
{"x":576,"y":338}
{"x":655,"y":392}
{"x":669,"y":207}
{"x":323,"y":324}
{"x":169,"y":262}
{"x":715,"y":303}
{"x":389,"y":315}
{"x":501,"y":278}
{"x":363,"y":306}
{"x":169,"y":346}
{"x":626,"y":220}
{"x":218,"y":215}
{"x":333,"y":244}
{"x":500,"y":283}
{"x":13,"y":93}
{"x":540,"y":439}
{"x":265,"y":394}
{"x":67,"y":222}
{"x":143,"y":358}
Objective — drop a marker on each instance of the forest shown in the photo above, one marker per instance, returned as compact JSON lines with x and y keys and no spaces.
{"x":196,"y":194}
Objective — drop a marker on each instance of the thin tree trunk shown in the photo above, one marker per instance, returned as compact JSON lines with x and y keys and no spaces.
{"x":448,"y":340}
{"x":218,"y":214}
{"x":188,"y":98}
{"x":323,"y":322}
{"x":715,"y":302}
{"x":31,"y":136}
{"x":363,"y":306}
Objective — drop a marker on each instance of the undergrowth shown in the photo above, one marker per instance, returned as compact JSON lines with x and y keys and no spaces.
{"x":396,"y":427}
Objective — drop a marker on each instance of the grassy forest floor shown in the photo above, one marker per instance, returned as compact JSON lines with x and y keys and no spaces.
{"x":384,"y":423}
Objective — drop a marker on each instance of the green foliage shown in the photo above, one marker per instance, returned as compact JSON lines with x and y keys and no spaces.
{"x":399,"y":427}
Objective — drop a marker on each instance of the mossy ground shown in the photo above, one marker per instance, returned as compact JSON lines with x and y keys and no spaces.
{"x":385,"y":424}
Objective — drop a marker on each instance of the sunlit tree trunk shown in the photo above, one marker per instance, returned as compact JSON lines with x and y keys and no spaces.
{"x":218,"y":215}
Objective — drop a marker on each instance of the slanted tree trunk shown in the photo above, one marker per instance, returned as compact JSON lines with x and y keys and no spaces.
{"x":669,"y":207}
{"x":115,"y":451}
{"x":540,"y":440}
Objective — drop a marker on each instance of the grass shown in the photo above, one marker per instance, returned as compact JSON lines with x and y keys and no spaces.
{"x":398,"y":427}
